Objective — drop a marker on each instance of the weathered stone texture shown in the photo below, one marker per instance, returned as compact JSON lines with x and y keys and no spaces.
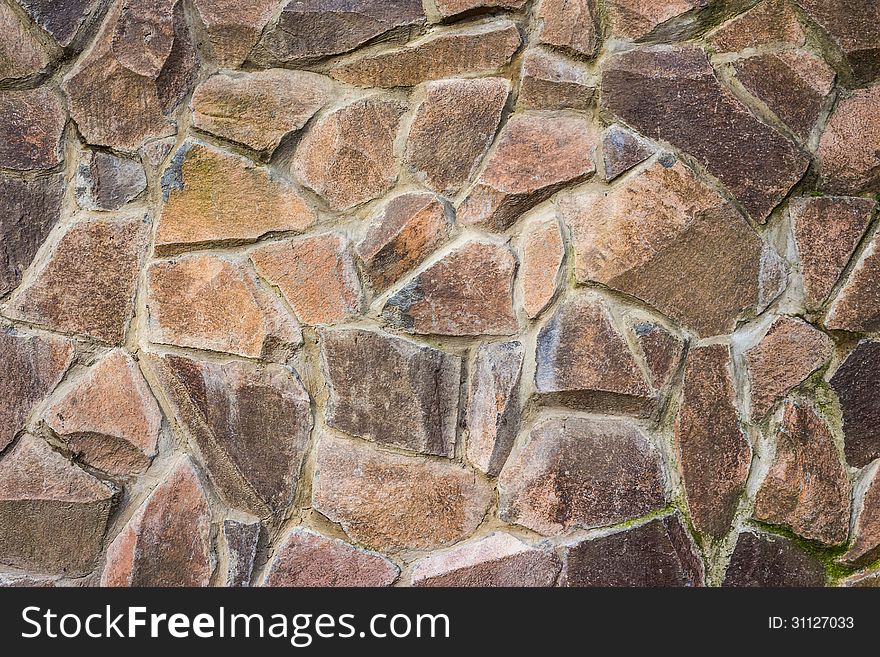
{"x":769,"y":22}
{"x":857,"y":307}
{"x":107,"y":182}
{"x":636,"y":19}
{"x":765,"y":560}
{"x":543,"y":253}
{"x":857,"y":384}
{"x":855,"y":27}
{"x":31,"y":123}
{"x":847,"y":152}
{"x":552,"y":82}
{"x":21,"y":54}
{"x":448,"y":8}
{"x":865,"y":546}
{"x":234,"y":27}
{"x":622,"y":150}
{"x":569,"y":24}
{"x":241,"y":540}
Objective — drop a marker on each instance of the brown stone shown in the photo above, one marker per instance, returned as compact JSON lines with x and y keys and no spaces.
{"x":241,"y":540}
{"x":401,"y":236}
{"x":31,"y":123}
{"x":636,"y":19}
{"x":212,"y":196}
{"x":772,"y":561}
{"x":468,"y":292}
{"x":658,"y":553}
{"x":713,"y":452}
{"x":305,"y":558}
{"x":448,"y":8}
{"x":316,"y":275}
{"x":857,"y":307}
{"x":826,"y":232}
{"x":392,"y":502}
{"x":155,"y":152}
{"x":348,"y":156}
{"x":671,"y":93}
{"x":534,"y":156}
{"x":60,"y":19}
{"x":847,"y":153}
{"x":865,"y":546}
{"x":88,"y":285}
{"x":251,"y":424}
{"x":21,"y":54}
{"x":788,"y":353}
{"x":167,"y":542}
{"x":855,"y":27}
{"x":258,"y":109}
{"x":769,"y":22}
{"x":30,"y":368}
{"x":661,"y":348}
{"x":551,"y":82}
{"x":807,"y":488}
{"x":29,"y":209}
{"x":310,"y":29}
{"x":391,"y":391}
{"x":578,"y":473}
{"x":497,"y":560}
{"x":866,"y":580}
{"x":53,"y":515}
{"x":494,"y":407}
{"x":234,"y":27}
{"x":857,"y":384}
{"x":543,"y":252}
{"x":476,"y":48}
{"x":109,"y":418}
{"x":569,"y":24}
{"x":452,"y":130}
{"x":622,"y":150}
{"x":665,"y":237}
{"x":583,"y":360}
{"x":107,"y":182}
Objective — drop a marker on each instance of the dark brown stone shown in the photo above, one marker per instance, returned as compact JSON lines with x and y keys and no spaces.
{"x":60,"y":18}
{"x":857,"y":307}
{"x":772,"y":561}
{"x":107,"y":182}
{"x":857,"y":384}
{"x":241,"y":550}
{"x":552,"y":82}
{"x":855,"y":26}
{"x":622,"y":150}
{"x":31,"y":123}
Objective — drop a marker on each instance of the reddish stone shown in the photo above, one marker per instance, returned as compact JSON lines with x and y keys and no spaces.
{"x":107,"y":182}
{"x":636,"y":19}
{"x":855,"y":27}
{"x":234,"y":27}
{"x":241,"y":540}
{"x":622,"y":150}
{"x":448,"y":8}
{"x":31,"y":123}
{"x":305,"y":558}
{"x":857,"y":307}
{"x":393,"y":502}
{"x":865,"y":546}
{"x":857,"y":384}
{"x":772,"y":561}
{"x":60,"y":19}
{"x":569,"y":24}
{"x":578,"y":473}
{"x":769,"y":22}
{"x":497,"y":560}
{"x":848,"y":149}
{"x":21,"y":54}
{"x":661,"y":348}
{"x":551,"y":82}
{"x":543,"y":252}
{"x":468,"y":292}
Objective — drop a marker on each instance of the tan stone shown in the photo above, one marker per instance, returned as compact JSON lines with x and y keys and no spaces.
{"x":551,"y":82}
{"x":857,"y":307}
{"x":543,"y":252}
{"x":848,"y":148}
{"x":569,"y":24}
{"x":636,"y":19}
{"x":21,"y":54}
{"x":866,"y":529}
{"x":31,"y":123}
{"x":234,"y":27}
{"x":769,"y":22}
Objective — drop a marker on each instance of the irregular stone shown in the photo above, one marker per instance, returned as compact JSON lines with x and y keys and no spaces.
{"x":569,"y":24}
{"x":209,"y":302}
{"x":794,"y":85}
{"x":154,"y":153}
{"x":305,"y":558}
{"x":53,"y":515}
{"x":497,"y":560}
{"x":636,"y":19}
{"x":713,"y":452}
{"x":88,"y":285}
{"x":857,"y":385}
{"x":866,"y":528}
{"x":476,"y":48}
{"x":665,"y":237}
{"x":448,"y":8}
{"x":234,"y":27}
{"x":857,"y":307}
{"x":212,"y":196}
{"x":494,"y":407}
{"x":468,"y":292}
{"x":316,"y":275}
{"x":60,"y":19}
{"x":664,"y":93}
{"x":31,"y":123}
{"x":241,"y":548}
{"x":788,"y":353}
{"x":144,"y":35}
{"x":21,"y":54}
{"x":392,"y":502}
{"x":848,"y":149}
{"x":807,"y":487}
{"x":109,"y":418}
{"x":310,"y":29}
{"x":167,"y":542}
{"x":348,"y":156}
{"x":543,"y":252}
{"x":622,"y":150}
{"x":658,"y":553}
{"x":409,"y":399}
{"x":870,"y":579}
{"x":30,"y":368}
{"x":401,"y":236}
{"x":452,"y":130}
{"x":251,"y":424}
{"x":534,"y":156}
{"x":855,"y":27}
{"x":29,"y":209}
{"x":772,"y":561}
{"x":661,"y":348}
{"x":107,"y":182}
{"x":769,"y":22}
{"x":826,"y":232}
{"x":551,"y":82}
{"x":258,"y":109}
{"x":578,"y":473}
{"x":584,"y":361}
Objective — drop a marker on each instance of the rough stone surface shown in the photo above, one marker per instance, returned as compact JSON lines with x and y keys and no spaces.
{"x":870,"y":579}
{"x":857,"y":384}
{"x":552,"y":82}
{"x":497,"y":560}
{"x":21,"y":54}
{"x":234,"y":27}
{"x":448,"y":8}
{"x":241,"y":540}
{"x":865,"y":546}
{"x":392,"y":502}
{"x":543,"y":253}
{"x":622,"y":150}
{"x":569,"y":24}
{"x":764,"y":560}
{"x":636,"y":19}
{"x":468,"y":292}
{"x":848,"y":148}
{"x":453,"y":128}
{"x":579,"y":473}
{"x":52,"y":514}
{"x":60,"y":19}
{"x":660,"y":347}
{"x":769,"y":22}
{"x":305,"y":558}
{"x":855,"y":27}
{"x":714,"y":454}
{"x":107,"y":182}
{"x":658,"y":553}
{"x":857,"y":307}
{"x":31,"y":123}
{"x":408,"y":397}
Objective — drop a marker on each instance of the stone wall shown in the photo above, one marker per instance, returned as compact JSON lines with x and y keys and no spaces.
{"x":469,"y":292}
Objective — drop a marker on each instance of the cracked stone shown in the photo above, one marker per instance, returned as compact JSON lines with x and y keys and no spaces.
{"x":107,"y":182}
{"x":241,"y":547}
{"x":849,"y":147}
{"x":31,"y":124}
{"x":234,"y":27}
{"x":857,"y":385}
{"x":543,"y":253}
{"x":551,"y":82}
{"x":622,"y":150}
{"x":857,"y":307}
{"x":772,"y":561}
